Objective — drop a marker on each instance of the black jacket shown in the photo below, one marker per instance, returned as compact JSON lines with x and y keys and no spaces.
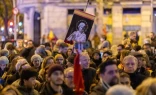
{"x":99,"y":89}
{"x":47,"y":90}
{"x":25,"y":91}
{"x":88,"y":76}
{"x":136,"y":79}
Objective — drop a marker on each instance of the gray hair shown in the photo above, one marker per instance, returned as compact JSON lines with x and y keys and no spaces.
{"x":120,"y":90}
{"x":4,"y":60}
{"x":130,"y":57}
{"x":36,"y":56}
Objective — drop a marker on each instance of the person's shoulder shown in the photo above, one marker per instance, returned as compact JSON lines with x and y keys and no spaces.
{"x":67,"y":90}
{"x":92,"y":69}
{"x":98,"y":90}
{"x":35,"y":92}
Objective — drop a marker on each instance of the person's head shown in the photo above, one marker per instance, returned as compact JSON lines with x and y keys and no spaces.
{"x":109,"y":72}
{"x":3,"y":62}
{"x":81,"y":26}
{"x":140,"y":58}
{"x":84,"y":60}
{"x":147,"y":46}
{"x":130,"y":64}
{"x":120,"y":47}
{"x":70,"y":61}
{"x":69,"y":75}
{"x":47,"y":62}
{"x":106,"y":54}
{"x":124,"y":53}
{"x":151,"y":35}
{"x":20,"y":62}
{"x":120,"y":90}
{"x":125,"y":79}
{"x":4,"y":52}
{"x":41,"y":51}
{"x":132,"y":36}
{"x":30,"y":43}
{"x":10,"y":90}
{"x":147,"y":87}
{"x":19,"y":43}
{"x":55,"y":74}
{"x":36,"y":60}
{"x":63,"y":48}
{"x":28,"y":77}
{"x":69,"y":52}
{"x":96,"y":55}
{"x":59,"y":59}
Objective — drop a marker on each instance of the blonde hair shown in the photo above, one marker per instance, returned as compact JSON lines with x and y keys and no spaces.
{"x":147,"y":87}
{"x":68,"y":69}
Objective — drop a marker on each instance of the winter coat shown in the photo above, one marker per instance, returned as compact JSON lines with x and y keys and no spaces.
{"x":25,"y":91}
{"x":99,"y":89}
{"x":47,"y":90}
{"x":88,"y":76}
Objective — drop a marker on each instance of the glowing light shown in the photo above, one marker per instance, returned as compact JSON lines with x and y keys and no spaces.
{"x":10,"y":29}
{"x":11,"y":24}
{"x":20,"y":23}
{"x":20,"y":32}
{"x":2,"y":28}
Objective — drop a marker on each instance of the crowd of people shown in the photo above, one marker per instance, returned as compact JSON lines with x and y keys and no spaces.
{"x":48,"y":69}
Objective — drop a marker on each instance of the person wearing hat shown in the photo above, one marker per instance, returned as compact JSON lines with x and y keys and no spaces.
{"x":36,"y":61}
{"x":55,"y":82}
{"x":27,"y":82}
{"x":3,"y":64}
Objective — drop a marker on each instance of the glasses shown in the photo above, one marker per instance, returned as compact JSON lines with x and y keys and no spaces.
{"x":69,"y":77}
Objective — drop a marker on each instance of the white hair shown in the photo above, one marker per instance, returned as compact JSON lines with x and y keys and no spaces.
{"x":120,"y":90}
{"x":19,"y":63}
{"x":4,"y":60}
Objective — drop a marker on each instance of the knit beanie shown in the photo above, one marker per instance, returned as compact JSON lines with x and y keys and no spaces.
{"x":53,"y":68}
{"x":4,"y":60}
{"x":35,"y":56}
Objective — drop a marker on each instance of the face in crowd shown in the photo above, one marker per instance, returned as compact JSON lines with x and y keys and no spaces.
{"x":56,"y":77}
{"x":84,"y":61}
{"x":110,"y":75}
{"x":96,"y":56}
{"x":133,"y":36}
{"x":36,"y":62}
{"x":20,"y":43}
{"x":130,"y":64}
{"x":125,"y":80}
{"x":59,"y":59}
{"x":30,"y":83}
{"x":140,"y":62}
{"x":2,"y":66}
{"x":69,"y":75}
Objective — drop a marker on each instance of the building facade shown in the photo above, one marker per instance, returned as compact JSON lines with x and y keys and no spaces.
{"x":119,"y":16}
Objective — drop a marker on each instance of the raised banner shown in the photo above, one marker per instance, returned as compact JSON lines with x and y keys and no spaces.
{"x":80,"y":27}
